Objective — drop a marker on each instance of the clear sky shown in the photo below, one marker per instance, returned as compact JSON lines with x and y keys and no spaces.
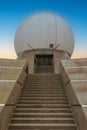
{"x":13,"y":12}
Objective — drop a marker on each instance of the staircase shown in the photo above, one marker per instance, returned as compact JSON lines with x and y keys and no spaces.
{"x":43,"y":105}
{"x":44,"y":69}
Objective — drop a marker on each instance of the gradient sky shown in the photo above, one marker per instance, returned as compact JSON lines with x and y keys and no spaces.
{"x":13,"y":12}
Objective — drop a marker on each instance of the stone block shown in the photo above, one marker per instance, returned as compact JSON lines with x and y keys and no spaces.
{"x":80,"y":117}
{"x":9,"y":73}
{"x":65,"y":77}
{"x":74,"y":62}
{"x":5,"y":115}
{"x":57,"y":57}
{"x":12,"y":63}
{"x":73,"y":97}
{"x":31,"y":66}
{"x":14,"y":94}
{"x":61,"y":67}
{"x":9,"y":94}
{"x":22,"y":77}
{"x":77,"y":73}
{"x":77,"y":92}
{"x":80,"y":62}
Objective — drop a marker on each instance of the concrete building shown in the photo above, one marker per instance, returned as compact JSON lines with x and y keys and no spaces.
{"x":43,"y":89}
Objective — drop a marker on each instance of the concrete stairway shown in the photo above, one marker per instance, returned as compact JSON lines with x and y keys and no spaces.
{"x":44,"y":69}
{"x":43,"y":105}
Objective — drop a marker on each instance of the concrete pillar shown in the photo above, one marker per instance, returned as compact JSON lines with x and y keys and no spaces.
{"x":59,"y":55}
{"x":29,"y":56}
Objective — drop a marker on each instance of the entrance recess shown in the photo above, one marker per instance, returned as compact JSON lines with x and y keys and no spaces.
{"x":44,"y":60}
{"x":44,"y":63}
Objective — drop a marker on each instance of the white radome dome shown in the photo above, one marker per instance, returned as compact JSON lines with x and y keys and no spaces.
{"x":42,"y":29}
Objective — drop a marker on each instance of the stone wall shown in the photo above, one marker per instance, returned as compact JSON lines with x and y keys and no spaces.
{"x":30,"y":57}
{"x":57,"y":57}
{"x":12,"y":78}
{"x":74,"y":76}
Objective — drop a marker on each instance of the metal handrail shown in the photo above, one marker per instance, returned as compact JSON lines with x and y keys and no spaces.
{"x":57,"y":46}
{"x":30,"y":46}
{"x":62,"y":48}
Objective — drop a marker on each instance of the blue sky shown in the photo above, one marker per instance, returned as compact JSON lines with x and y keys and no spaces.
{"x":13,"y":12}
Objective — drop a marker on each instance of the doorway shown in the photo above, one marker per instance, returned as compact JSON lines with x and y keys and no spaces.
{"x":44,"y":60}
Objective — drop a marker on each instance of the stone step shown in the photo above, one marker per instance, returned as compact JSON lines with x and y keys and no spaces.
{"x":47,"y":80}
{"x":45,"y":84}
{"x":44,"y":91}
{"x":45,"y":102}
{"x":44,"y":79}
{"x":43,"y":115}
{"x":43,"y":95}
{"x":43,"y":120}
{"x":39,"y":86}
{"x":45,"y":126}
{"x":44,"y":98}
{"x":43,"y":105}
{"x":35,"y":110}
{"x":42,"y":76}
{"x":42,"y":102}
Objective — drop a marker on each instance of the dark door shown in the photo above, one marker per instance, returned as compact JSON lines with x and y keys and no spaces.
{"x":44,"y":59}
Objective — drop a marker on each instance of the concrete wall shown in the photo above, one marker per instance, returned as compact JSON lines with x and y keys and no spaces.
{"x":30,"y":56}
{"x":57,"y":57}
{"x":12,"y":78}
{"x":74,"y":76}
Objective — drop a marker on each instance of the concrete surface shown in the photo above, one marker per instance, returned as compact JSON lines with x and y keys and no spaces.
{"x":12,"y":78}
{"x":74,"y":76}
